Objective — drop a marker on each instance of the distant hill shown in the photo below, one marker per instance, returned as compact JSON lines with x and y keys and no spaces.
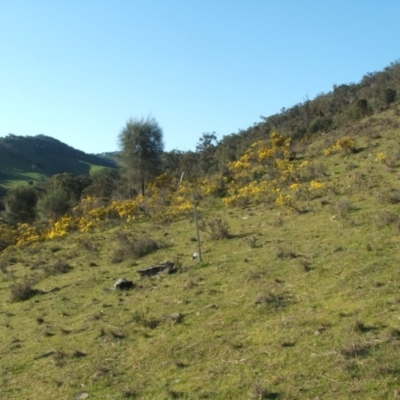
{"x":34,"y":158}
{"x":110,"y":156}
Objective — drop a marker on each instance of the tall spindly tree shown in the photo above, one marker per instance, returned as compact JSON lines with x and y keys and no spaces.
{"x":142,"y":146}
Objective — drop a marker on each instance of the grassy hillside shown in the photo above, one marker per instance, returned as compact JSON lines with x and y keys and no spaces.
{"x":299,"y":301}
{"x":34,"y":158}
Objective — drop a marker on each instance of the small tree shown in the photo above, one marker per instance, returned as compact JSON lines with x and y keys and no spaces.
{"x":206,"y":148}
{"x":389,"y":95}
{"x":142,"y":146}
{"x":54,"y":203}
{"x":20,"y":204}
{"x":71,"y":184}
{"x":104,"y":185}
{"x":362,"y":106}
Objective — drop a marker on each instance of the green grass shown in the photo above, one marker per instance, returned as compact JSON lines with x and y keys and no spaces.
{"x":96,"y":169}
{"x":311,"y":311}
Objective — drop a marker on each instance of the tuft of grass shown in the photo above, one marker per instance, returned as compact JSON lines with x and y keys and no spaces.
{"x":260,"y":392}
{"x":144,"y":319}
{"x":59,"y":358}
{"x":386,"y":218}
{"x":251,"y":241}
{"x":390,"y":196}
{"x":55,"y":249}
{"x":21,"y":291}
{"x":4,"y":264}
{"x":217,"y":228}
{"x":130,"y":393}
{"x":60,"y":267}
{"x":88,"y":245}
{"x":78,"y":354}
{"x":305,"y":265}
{"x":118,"y":256}
{"x":133,"y":246}
{"x":315,"y":170}
{"x":394,"y":333}
{"x":274,"y":300}
{"x":282,"y":254}
{"x":355,"y":350}
{"x":117,"y":335}
{"x":359,"y":326}
{"x":343,"y":208}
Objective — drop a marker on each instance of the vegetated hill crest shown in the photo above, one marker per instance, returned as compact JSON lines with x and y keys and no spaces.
{"x":32,"y":158}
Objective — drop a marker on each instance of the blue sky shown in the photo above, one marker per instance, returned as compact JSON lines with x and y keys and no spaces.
{"x":77,"y":70}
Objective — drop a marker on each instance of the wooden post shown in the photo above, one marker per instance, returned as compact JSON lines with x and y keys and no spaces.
{"x":196,"y":220}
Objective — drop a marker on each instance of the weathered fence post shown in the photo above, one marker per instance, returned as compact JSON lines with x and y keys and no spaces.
{"x":196,"y":220}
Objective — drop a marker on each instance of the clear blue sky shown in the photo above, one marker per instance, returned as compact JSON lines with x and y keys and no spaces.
{"x":77,"y":70}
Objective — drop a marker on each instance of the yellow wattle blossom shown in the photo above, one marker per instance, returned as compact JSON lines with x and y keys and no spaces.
{"x":284,"y":200}
{"x":61,"y":227}
{"x":304,"y":164}
{"x":346,"y":144}
{"x":295,"y":186}
{"x":316,"y":185}
{"x":382,"y":158}
{"x":27,"y":234}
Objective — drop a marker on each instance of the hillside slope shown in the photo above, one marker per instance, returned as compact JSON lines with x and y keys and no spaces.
{"x":33,"y":158}
{"x":300,"y":301}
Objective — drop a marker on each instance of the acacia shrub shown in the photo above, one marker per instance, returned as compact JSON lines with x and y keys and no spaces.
{"x":319,"y":124}
{"x":20,"y":204}
{"x":53,"y":204}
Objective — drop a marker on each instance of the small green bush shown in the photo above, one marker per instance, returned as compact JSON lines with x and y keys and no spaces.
{"x":88,"y":244}
{"x":389,"y":95}
{"x":251,"y":241}
{"x":60,"y":267}
{"x":343,"y":208}
{"x":23,"y":290}
{"x":20,"y":203}
{"x":217,"y":229}
{"x":319,"y":124}
{"x":386,"y":218}
{"x":134,"y":246}
{"x":53,"y":204}
{"x":391,"y":197}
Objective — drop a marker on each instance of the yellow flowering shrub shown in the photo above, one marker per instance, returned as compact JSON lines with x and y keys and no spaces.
{"x":8,"y":236}
{"x":284,"y":200}
{"x":259,"y":174}
{"x":214,"y":185}
{"x":295,"y":186}
{"x":316,"y":185}
{"x":126,"y":208}
{"x":382,"y":158}
{"x":62,"y":227}
{"x":346,"y":144}
{"x":316,"y":189}
{"x":28,"y":234}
